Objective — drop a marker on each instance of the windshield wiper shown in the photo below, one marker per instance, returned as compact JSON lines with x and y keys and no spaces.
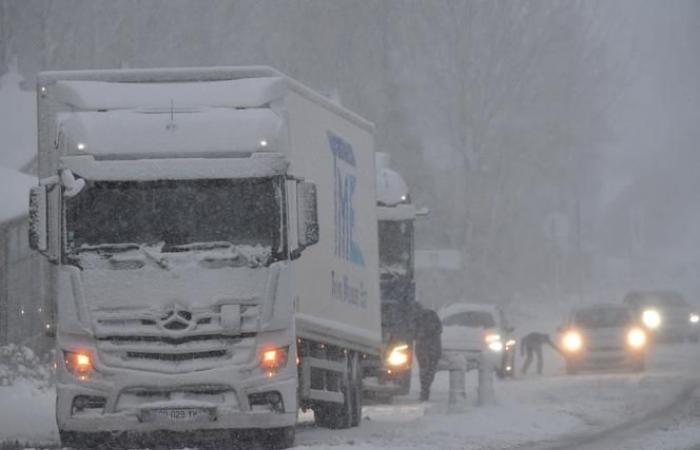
{"x":107,"y":248}
{"x":168,"y":248}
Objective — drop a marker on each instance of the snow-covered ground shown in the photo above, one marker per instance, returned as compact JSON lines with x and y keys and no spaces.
{"x":529,"y":410}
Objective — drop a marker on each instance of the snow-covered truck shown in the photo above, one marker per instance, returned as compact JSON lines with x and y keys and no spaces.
{"x":213,"y":234}
{"x":396,"y":214}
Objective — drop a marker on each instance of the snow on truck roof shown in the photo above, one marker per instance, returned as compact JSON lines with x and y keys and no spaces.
{"x":195,"y":76}
{"x":103,"y":95}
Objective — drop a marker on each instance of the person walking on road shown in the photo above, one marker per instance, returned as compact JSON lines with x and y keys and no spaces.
{"x":532,"y":344}
{"x":428,"y":348}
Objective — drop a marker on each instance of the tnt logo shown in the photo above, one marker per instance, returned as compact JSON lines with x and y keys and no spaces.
{"x":344,"y":169}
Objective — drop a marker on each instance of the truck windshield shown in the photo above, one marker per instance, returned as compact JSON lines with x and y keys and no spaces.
{"x":176,"y":214}
{"x":395,"y":248}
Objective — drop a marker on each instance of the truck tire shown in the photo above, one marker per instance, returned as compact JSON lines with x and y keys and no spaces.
{"x":278,"y":438}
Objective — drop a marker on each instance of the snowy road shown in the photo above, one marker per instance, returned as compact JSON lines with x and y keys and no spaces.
{"x":552,"y":411}
{"x":588,"y":411}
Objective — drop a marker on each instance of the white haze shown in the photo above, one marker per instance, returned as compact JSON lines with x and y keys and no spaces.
{"x":555,"y":142}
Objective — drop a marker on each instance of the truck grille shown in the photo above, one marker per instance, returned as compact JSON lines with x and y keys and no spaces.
{"x":173,"y":341}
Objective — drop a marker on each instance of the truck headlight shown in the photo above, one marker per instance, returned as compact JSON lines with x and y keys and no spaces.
{"x":572,"y":341}
{"x":78,"y":363}
{"x":651,"y":318}
{"x":398,"y":356}
{"x":273,"y":359}
{"x":636,"y":338}
{"x":694,"y":318}
{"x":494,"y":343}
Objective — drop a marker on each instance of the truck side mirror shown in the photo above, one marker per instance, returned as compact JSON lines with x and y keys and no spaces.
{"x":38,"y":219}
{"x":307,"y":214}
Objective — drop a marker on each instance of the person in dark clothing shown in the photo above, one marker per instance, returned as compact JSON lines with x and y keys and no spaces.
{"x":532,"y":344}
{"x":428,"y":348}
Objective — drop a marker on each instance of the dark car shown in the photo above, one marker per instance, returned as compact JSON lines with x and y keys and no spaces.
{"x":603,"y":336}
{"x":665,"y":314}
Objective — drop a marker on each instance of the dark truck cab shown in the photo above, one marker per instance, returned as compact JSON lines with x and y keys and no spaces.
{"x":396,"y":215}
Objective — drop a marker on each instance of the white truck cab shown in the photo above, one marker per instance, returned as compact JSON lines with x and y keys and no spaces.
{"x":202,"y":281}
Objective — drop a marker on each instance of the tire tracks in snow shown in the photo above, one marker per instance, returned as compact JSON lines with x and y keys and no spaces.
{"x":610,"y":437}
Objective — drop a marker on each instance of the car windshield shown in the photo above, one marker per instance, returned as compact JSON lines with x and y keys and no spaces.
{"x":659,"y":299}
{"x":602,"y":318}
{"x":470,"y":319}
{"x":180,"y":214}
{"x":395,"y":248}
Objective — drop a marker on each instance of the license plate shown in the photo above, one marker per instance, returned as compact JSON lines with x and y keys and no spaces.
{"x":179,"y":414}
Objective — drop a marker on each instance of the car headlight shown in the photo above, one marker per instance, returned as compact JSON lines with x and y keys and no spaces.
{"x":494,"y":343}
{"x":399,"y":356}
{"x":510,"y":343}
{"x":636,"y":338}
{"x":572,"y":341}
{"x":694,"y":318}
{"x":651,"y":318}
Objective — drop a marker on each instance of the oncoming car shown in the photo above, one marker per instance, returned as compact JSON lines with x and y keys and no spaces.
{"x":665,"y":314}
{"x":469,"y":329}
{"x":603,"y":336}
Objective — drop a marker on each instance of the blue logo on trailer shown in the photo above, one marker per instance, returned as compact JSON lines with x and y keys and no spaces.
{"x":344,"y":169}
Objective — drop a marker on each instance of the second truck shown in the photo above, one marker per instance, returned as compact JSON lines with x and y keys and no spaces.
{"x":396,"y":214}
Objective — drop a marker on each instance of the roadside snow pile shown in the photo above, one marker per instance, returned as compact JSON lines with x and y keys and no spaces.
{"x":27,"y":397}
{"x":18,"y":362}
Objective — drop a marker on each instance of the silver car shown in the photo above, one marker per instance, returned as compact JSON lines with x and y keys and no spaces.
{"x":603,"y":336}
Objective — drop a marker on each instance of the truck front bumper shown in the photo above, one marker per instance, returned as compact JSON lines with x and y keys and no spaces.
{"x":142,"y":402}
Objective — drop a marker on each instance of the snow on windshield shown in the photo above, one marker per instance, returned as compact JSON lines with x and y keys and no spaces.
{"x":182,"y":215}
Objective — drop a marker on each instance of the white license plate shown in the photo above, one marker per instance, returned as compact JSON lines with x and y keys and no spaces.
{"x":179,"y":414}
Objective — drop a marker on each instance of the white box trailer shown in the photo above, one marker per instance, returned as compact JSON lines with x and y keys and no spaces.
{"x":213,"y":235}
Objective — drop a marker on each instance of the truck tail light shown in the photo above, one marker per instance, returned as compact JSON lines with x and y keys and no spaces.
{"x":78,"y":363}
{"x":273,"y":359}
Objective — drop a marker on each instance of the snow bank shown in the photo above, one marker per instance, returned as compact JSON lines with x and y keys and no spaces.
{"x":14,"y":194}
{"x":28,"y":413}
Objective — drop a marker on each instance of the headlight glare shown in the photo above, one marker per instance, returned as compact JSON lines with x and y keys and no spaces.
{"x":399,"y":356}
{"x":651,"y":318}
{"x":572,"y":341}
{"x":494,"y":343}
{"x":694,"y":318}
{"x":636,"y":338}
